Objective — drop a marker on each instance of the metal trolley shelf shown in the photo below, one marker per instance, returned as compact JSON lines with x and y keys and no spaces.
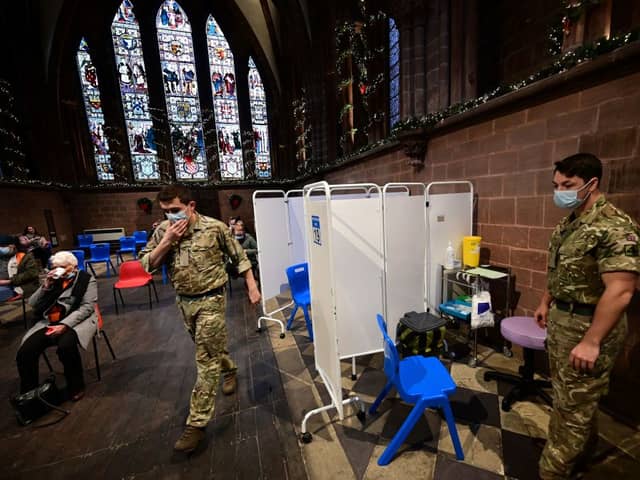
{"x":458,"y":285}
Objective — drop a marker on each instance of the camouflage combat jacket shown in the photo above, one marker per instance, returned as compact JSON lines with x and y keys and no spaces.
{"x":196,"y":263}
{"x":602,"y":239}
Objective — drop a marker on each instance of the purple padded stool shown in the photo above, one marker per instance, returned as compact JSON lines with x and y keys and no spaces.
{"x":523,"y":331}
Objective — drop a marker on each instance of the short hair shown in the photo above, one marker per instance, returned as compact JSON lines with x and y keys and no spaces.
{"x":582,"y":165}
{"x":64,"y":258}
{"x":26,"y":230}
{"x":169,"y":192}
{"x":18,"y":243}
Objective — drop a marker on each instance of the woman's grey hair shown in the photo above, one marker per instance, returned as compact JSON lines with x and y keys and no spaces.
{"x":64,"y":259}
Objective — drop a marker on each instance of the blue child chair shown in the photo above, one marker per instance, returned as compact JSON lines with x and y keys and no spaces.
{"x":79,"y":254}
{"x":100,"y":253}
{"x":141,"y":238}
{"x":127,"y":245}
{"x":298,"y":276}
{"x":85,"y":241}
{"x":422,"y":381}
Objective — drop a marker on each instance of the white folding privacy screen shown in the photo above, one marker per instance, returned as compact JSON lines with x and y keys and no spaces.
{"x":369,"y":250}
{"x":344,"y":232}
{"x":278,"y":222}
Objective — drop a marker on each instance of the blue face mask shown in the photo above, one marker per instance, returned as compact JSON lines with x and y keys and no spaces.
{"x":4,"y":251}
{"x":174,"y":217}
{"x":569,"y":198}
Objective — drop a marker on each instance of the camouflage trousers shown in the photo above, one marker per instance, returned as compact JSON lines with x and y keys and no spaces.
{"x":204,"y":320}
{"x":573,"y":429}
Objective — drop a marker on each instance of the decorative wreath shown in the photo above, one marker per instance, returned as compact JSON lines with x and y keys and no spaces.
{"x":145,"y":205}
{"x":235,"y":201}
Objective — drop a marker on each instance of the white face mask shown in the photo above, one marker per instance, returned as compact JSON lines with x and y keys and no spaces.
{"x":569,"y":198}
{"x":174,"y":217}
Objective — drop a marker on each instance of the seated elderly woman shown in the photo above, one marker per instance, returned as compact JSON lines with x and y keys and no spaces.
{"x":65,"y":305}
{"x":19,"y":269}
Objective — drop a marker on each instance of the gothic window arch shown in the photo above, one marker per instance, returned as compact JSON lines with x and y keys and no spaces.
{"x":225,"y":102}
{"x":394,"y":73}
{"x":259,"y":122}
{"x":132,"y":78}
{"x":181,"y":92}
{"x":93,"y":109}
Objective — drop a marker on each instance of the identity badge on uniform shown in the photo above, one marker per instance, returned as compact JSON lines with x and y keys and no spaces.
{"x":315,"y":226}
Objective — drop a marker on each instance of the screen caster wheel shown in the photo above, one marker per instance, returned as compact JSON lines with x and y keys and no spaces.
{"x":306,"y":437}
{"x":259,"y":330}
{"x":361,"y":416}
{"x":282,"y":335}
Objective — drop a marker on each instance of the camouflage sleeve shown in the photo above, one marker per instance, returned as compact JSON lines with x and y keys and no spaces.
{"x":234,"y":251}
{"x":28,"y":271}
{"x":143,"y":255}
{"x":619,"y":250}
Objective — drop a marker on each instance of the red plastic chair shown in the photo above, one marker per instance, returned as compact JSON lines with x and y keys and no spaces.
{"x":132,"y":275}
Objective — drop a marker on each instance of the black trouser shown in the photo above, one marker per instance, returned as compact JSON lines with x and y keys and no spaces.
{"x":28,"y":358}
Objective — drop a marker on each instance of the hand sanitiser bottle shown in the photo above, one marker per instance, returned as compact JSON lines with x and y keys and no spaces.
{"x":449,"y":257}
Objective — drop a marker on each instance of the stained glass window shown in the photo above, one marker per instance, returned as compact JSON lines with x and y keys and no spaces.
{"x":95,"y":117}
{"x":394,"y":73}
{"x":181,"y":91}
{"x":259,"y":121}
{"x":225,"y":102}
{"x":135,"y":94}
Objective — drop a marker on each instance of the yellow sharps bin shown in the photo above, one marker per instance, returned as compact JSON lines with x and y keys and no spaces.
{"x":471,"y":251}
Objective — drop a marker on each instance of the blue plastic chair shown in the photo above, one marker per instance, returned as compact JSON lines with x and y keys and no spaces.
{"x":298,"y":276}
{"x":79,"y":254}
{"x":100,"y":253}
{"x":127,"y":245}
{"x":85,"y":241}
{"x":141,"y":237}
{"x":422,"y":381}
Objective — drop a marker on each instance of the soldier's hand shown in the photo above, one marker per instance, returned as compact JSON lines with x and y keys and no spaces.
{"x":176,"y":230}
{"x":584,"y":355}
{"x":541,"y":315}
{"x":254,"y":295}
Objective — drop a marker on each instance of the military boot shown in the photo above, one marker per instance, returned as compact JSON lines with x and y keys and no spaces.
{"x":189,"y":440}
{"x":230,"y":384}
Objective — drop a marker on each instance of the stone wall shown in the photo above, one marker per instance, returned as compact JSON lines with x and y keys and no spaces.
{"x":509,"y":158}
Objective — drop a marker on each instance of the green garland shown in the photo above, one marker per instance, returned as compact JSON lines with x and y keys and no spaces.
{"x":567,"y":61}
{"x":12,"y":156}
{"x":569,"y":14}
{"x":352,"y":42}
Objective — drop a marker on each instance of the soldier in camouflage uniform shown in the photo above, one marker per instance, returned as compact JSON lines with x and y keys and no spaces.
{"x":194,"y":248}
{"x":592,"y":271}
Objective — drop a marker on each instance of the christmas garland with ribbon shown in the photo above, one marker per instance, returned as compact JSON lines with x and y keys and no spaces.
{"x":145,"y":205}
{"x":562,"y":64}
{"x":353,"y":43}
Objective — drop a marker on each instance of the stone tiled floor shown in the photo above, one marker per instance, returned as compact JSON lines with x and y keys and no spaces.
{"x":497,"y":444}
{"x":136,"y":412}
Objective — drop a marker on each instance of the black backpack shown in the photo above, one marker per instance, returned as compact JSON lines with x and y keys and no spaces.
{"x":421,"y":334}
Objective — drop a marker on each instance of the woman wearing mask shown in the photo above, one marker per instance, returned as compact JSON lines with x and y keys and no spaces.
{"x":18,"y":269}
{"x":65,"y":305}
